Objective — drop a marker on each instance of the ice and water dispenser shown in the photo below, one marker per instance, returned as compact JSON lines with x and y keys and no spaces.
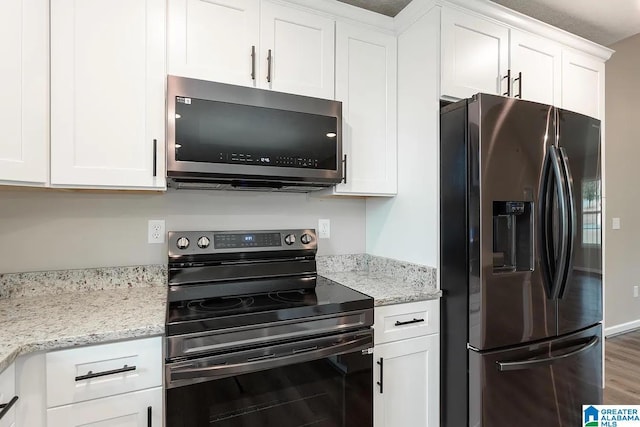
{"x":513,"y":239}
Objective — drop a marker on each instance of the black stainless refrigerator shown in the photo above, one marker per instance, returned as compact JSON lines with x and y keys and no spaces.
{"x":521,"y":260}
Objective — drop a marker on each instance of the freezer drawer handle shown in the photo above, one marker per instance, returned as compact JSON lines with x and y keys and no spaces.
{"x":92,"y":374}
{"x":409,"y":322}
{"x":536,"y":362}
{"x":5,"y":407}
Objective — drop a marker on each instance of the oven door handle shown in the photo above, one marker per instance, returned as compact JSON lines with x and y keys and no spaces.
{"x":224,"y":370}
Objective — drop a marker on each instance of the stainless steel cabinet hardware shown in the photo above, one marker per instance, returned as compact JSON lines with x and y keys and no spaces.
{"x":92,"y":374}
{"x":344,"y":164}
{"x":519,"y":80}
{"x":508,"y":77}
{"x":269,"y":66}
{"x":5,"y":407}
{"x":155,"y":157}
{"x":380,"y":363}
{"x":408,"y":322}
{"x":148,"y":416}
{"x":253,"y":62}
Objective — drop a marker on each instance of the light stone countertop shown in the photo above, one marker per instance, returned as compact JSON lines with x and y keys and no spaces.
{"x":385,"y":290}
{"x":49,"y":322}
{"x":60,"y":309}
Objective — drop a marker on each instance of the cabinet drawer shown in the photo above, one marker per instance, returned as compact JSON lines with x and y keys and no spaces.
{"x":91,"y":372}
{"x":7,"y":393}
{"x":137,"y":409}
{"x":402,"y":321}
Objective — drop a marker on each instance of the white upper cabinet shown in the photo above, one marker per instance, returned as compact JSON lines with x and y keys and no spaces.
{"x":366,"y":76}
{"x":297,"y":51}
{"x":535,"y":68}
{"x":214,"y":40}
{"x":583,"y":84}
{"x":252,"y":43}
{"x":475,"y":55}
{"x":24,"y":72}
{"x":107,"y":93}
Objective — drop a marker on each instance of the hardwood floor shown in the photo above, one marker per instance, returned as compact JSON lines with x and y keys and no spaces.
{"x":622,"y":369}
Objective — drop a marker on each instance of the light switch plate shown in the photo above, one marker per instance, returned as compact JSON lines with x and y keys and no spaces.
{"x":615,"y":223}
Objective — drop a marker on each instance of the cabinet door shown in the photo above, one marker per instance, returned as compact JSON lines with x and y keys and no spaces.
{"x":302,"y":51}
{"x":107,"y":93}
{"x":539,"y":61}
{"x":137,"y":409}
{"x":475,"y":55}
{"x":366,"y":85}
{"x":7,"y":393}
{"x":583,"y":84}
{"x":409,"y":394}
{"x":212,"y":40}
{"x":24,"y":72}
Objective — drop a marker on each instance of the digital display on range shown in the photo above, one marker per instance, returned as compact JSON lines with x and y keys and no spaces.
{"x":244,"y":240}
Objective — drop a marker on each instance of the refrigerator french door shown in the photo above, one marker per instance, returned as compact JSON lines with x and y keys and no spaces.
{"x":519,"y":266}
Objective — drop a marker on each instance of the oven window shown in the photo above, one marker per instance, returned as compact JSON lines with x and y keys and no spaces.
{"x":335,"y":391}
{"x":221,"y":132}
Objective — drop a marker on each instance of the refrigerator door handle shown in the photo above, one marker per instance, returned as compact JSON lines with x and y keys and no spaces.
{"x":536,"y":362}
{"x":571,"y":218}
{"x":564,"y":237}
{"x":545,"y":229}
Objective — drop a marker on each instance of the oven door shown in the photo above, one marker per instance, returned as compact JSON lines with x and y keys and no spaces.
{"x":324,"y":381}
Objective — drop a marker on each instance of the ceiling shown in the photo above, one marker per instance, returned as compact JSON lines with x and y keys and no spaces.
{"x":602,"y":21}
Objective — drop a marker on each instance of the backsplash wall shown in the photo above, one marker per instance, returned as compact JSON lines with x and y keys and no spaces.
{"x":52,"y":230}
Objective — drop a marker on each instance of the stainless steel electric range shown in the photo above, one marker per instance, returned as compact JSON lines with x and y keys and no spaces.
{"x":254,"y":337}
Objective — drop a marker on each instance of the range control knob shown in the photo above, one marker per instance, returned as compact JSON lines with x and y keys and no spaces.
{"x":182,"y":243}
{"x":203,"y":242}
{"x":306,"y":239}
{"x":290,"y":239}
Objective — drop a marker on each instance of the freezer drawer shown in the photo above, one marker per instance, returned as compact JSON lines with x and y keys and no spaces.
{"x":543,"y":384}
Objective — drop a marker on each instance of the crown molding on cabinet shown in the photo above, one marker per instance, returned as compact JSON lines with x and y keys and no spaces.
{"x":506,"y":16}
{"x":345,"y":12}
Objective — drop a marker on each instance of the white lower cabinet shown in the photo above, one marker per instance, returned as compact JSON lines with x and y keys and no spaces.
{"x":406,"y":377}
{"x":136,"y":409}
{"x":8,"y":396}
{"x":406,"y":385}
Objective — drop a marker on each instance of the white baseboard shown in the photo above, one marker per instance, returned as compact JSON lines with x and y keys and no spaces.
{"x":621,"y":328}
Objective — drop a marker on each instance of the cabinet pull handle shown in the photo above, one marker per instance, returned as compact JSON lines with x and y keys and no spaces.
{"x":519,"y":80}
{"x":269,"y":66}
{"x":155,"y":157}
{"x":253,"y":62}
{"x":344,"y":168}
{"x":508,"y":77}
{"x":380,"y":363}
{"x":409,"y":322}
{"x":148,"y":416}
{"x":92,"y":374}
{"x":5,"y":407}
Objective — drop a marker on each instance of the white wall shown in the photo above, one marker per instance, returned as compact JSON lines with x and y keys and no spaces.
{"x":622,"y":248}
{"x":406,"y":227}
{"x":51,"y":230}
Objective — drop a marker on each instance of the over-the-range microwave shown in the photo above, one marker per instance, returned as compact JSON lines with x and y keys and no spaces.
{"x":221,"y":136}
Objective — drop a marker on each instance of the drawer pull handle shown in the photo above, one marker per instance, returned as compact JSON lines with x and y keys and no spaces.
{"x":4,"y":408}
{"x":92,"y":374}
{"x":409,"y":322}
{"x":149,"y":416}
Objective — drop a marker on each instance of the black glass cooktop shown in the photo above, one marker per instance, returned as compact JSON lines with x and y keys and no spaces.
{"x":199,"y":315}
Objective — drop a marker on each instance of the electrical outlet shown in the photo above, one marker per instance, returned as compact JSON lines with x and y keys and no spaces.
{"x":324,"y":228}
{"x":156,"y":231}
{"x":635,"y":291}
